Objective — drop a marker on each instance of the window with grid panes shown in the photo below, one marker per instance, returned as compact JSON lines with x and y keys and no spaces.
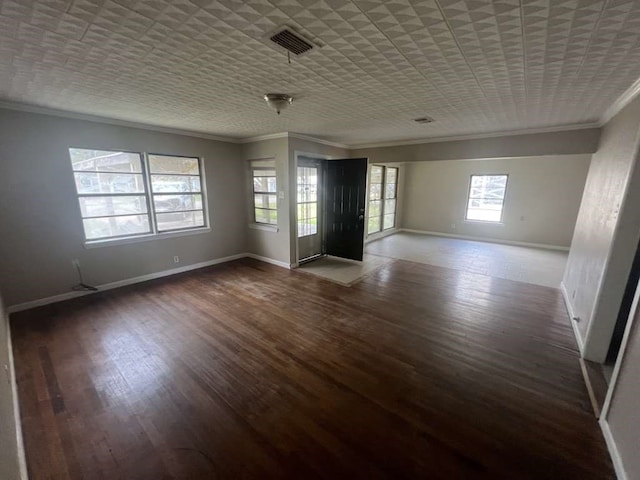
{"x":486,"y":198}
{"x":307,"y":201}
{"x":265,"y":192}
{"x":125,"y":194}
{"x":383,"y":190}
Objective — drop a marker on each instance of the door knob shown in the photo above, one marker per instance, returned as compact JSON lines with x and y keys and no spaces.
{"x":360,"y":217}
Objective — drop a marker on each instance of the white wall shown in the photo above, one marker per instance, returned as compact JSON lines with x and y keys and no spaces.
{"x":623,"y":415}
{"x":541,"y":204}
{"x":9,"y":463}
{"x":606,"y":233}
{"x":40,"y":224}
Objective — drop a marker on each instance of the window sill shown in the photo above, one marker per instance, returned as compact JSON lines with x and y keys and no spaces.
{"x":485,"y":222}
{"x":144,"y":238}
{"x":264,"y":226}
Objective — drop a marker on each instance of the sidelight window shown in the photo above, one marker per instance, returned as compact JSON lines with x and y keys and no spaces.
{"x":307,"y":201}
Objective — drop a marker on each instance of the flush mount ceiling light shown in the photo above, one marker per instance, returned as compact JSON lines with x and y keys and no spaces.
{"x":278,"y":101}
{"x":423,"y":120}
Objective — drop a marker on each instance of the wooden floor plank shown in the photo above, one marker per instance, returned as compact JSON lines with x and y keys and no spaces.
{"x":246,"y":370}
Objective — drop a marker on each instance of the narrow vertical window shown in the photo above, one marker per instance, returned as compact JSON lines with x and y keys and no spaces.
{"x":375,"y":198}
{"x":307,"y":201}
{"x":265,"y":192}
{"x":383,"y":192}
{"x":390,"y":201}
{"x":486,"y":198}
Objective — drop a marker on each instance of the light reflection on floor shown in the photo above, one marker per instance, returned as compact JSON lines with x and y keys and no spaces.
{"x":524,"y":264}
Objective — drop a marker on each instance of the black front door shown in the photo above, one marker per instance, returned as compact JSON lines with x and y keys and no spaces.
{"x":346,"y":185}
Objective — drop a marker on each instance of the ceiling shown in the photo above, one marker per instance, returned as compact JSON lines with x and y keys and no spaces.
{"x":203,"y":65}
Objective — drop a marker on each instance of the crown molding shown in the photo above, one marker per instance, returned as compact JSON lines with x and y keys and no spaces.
{"x":261,"y":138}
{"x":479,"y":136}
{"x":29,"y":108}
{"x":623,"y":100}
{"x":298,"y":136}
{"x":321,"y":141}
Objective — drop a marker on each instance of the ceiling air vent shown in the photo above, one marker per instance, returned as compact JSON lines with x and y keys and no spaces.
{"x":423,"y":120}
{"x":291,"y":41}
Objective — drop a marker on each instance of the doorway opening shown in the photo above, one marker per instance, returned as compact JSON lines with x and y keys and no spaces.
{"x":330,"y":207}
{"x":623,"y":316}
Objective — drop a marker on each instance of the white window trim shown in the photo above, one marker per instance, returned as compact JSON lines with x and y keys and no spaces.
{"x":383,"y":231}
{"x":267,"y":227}
{"x":504,"y":200}
{"x":154,"y":234}
{"x":263,"y":164}
{"x":108,"y":242}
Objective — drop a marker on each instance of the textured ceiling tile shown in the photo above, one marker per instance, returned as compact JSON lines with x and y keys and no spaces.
{"x":203,"y":65}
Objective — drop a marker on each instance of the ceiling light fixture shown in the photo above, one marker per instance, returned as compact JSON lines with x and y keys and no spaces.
{"x":423,"y":120}
{"x":278,"y":101}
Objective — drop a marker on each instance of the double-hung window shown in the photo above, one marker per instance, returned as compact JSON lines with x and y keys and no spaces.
{"x":265,"y":192}
{"x":126,"y":194}
{"x":486,"y":198}
{"x":383,"y":192}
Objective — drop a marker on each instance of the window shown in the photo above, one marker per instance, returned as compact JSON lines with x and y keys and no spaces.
{"x":116,"y":201}
{"x":486,"y":198}
{"x":177,"y":192}
{"x":307,"y":201}
{"x":265,"y":192}
{"x":383,"y":191}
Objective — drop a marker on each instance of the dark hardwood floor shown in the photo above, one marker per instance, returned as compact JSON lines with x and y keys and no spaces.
{"x":246,"y":370}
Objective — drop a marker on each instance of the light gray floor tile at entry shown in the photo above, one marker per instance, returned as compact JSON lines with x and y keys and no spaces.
{"x":524,"y":264}
{"x":344,"y":272}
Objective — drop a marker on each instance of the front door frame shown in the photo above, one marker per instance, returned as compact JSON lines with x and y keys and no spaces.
{"x":294,"y":198}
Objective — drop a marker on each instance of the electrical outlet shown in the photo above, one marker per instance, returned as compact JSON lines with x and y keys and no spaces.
{"x":75,"y":262}
{"x":453,"y":225}
{"x":573,"y":295}
{"x":176,"y":259}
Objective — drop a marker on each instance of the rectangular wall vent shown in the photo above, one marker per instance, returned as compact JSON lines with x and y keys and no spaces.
{"x":291,"y":41}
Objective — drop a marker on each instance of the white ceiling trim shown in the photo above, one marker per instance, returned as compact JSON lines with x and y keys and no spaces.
{"x":299,"y":136}
{"x":509,"y":133}
{"x":262,"y":138}
{"x":623,"y":100}
{"x":318,"y":140}
{"x":23,"y":107}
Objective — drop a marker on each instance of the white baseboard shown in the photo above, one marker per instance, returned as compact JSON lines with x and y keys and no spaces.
{"x":129,"y":281}
{"x":613,"y":450}
{"x":22,"y":461}
{"x":572,"y":315}
{"x":486,"y":239}
{"x":268,"y":260}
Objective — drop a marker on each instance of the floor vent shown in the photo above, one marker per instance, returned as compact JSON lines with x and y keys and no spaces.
{"x":291,"y":41}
